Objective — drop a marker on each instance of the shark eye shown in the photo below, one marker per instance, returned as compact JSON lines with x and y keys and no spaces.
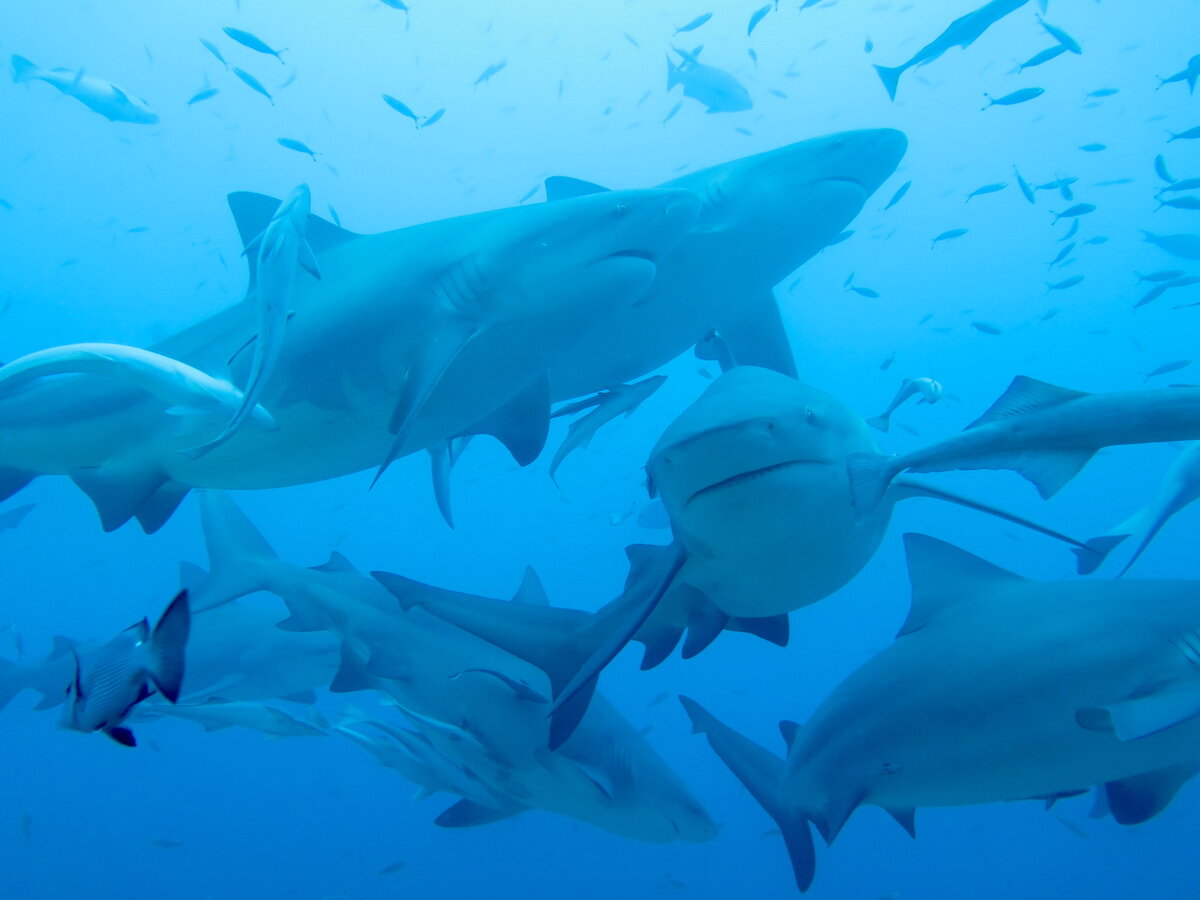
{"x":810,"y":415}
{"x":621,"y":208}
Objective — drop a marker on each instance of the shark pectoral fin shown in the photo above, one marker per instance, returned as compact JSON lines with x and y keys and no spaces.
{"x":773,"y":629}
{"x":563,"y":187}
{"x":160,"y":506}
{"x":903,"y":488}
{"x":1047,"y":470}
{"x":1089,"y":559}
{"x":439,"y":470}
{"x":869,"y":474}
{"x":757,"y":336}
{"x":906,"y":818}
{"x":943,"y":576}
{"x":1142,"y":797}
{"x":1129,"y":720}
{"x":352,"y":672}
{"x":569,"y":709}
{"x":468,"y":814}
{"x":522,"y":423}
{"x":13,"y":480}
{"x":387,"y":663}
{"x":761,"y":773}
{"x":1025,"y":395}
{"x":705,"y":622}
{"x":118,"y":491}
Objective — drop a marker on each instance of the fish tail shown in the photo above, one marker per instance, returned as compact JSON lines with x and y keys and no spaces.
{"x":672,"y":74}
{"x":890,"y":78}
{"x":1090,"y":559}
{"x":24,"y":69}
{"x":881,"y":422}
{"x":167,"y":646}
{"x":870,"y":474}
{"x":239,"y":556}
{"x":761,"y":772}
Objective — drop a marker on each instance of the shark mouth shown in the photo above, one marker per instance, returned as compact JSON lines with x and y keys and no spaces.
{"x":636,"y":254}
{"x":753,"y":475}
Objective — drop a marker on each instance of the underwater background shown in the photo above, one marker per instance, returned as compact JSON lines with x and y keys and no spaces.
{"x":118,"y":232}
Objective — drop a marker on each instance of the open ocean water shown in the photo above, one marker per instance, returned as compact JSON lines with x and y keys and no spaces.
{"x":120,"y":232}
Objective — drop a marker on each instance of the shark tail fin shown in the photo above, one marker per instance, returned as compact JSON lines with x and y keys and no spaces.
{"x":761,"y":773}
{"x":672,"y":73}
{"x":870,"y":474}
{"x":890,"y":78}
{"x":24,"y":69}
{"x":238,"y":555}
{"x":1098,"y":548}
{"x":167,"y":646}
{"x":881,"y":422}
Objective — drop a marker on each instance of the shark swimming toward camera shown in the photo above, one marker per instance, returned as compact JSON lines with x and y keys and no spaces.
{"x":1022,"y":689}
{"x":1041,"y":431}
{"x":446,"y":329}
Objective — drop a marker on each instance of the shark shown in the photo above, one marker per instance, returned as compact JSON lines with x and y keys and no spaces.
{"x":1042,"y":431}
{"x":98,"y":95}
{"x":1023,"y":689}
{"x":444,"y":679}
{"x":218,"y":713}
{"x":410,"y":337}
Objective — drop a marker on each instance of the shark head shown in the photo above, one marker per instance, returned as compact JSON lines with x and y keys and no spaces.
{"x":782,"y":206}
{"x":751,"y":422}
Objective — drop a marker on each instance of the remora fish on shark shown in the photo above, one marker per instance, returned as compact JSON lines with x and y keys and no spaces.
{"x":445,"y":327}
{"x":1041,"y":431}
{"x":1022,"y":689}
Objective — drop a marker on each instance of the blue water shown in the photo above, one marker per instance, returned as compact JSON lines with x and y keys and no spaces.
{"x":79,"y":815}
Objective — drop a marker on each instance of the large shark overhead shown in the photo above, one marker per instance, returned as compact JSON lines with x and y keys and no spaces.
{"x":998,"y":688}
{"x":410,"y":338}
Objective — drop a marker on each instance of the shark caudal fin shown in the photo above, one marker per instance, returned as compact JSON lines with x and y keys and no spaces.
{"x":1089,"y":559}
{"x":239,"y":556}
{"x":881,"y":422}
{"x":24,"y":69}
{"x":167,"y":647}
{"x":761,"y":772}
{"x":890,"y":78}
{"x":870,"y":474}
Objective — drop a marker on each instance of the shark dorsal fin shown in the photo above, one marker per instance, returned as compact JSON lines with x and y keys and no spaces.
{"x":1025,"y":395}
{"x":531,"y":592}
{"x":943,"y":575}
{"x":563,"y":187}
{"x":252,"y":213}
{"x":336,"y":563}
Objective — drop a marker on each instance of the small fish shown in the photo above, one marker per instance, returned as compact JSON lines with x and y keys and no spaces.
{"x":4,"y":204}
{"x":27,"y":826}
{"x":395,"y":4}
{"x":986,"y":328}
{"x":1079,"y":209}
{"x":1103,"y":92}
{"x":1024,"y":95}
{"x":887,"y":363}
{"x":1160,"y":169}
{"x":433,"y":118}
{"x":137,"y":229}
{"x":1098,"y":239}
{"x":1187,"y":184}
{"x":898,"y":196}
{"x":1167,"y":368}
{"x":1064,"y":39}
{"x":111,"y":678}
{"x":298,"y":146}
{"x":987,"y":189}
{"x":931,"y":391}
{"x":1189,"y":203}
{"x":254,"y":42}
{"x":253,"y":83}
{"x":1184,"y":246}
{"x":864,"y":292}
{"x":529,"y":193}
{"x":1064,"y":284}
{"x":1062,"y":254}
{"x":629,"y":37}
{"x":694,"y":24}
{"x":1071,"y":231}
{"x":395,"y":867}
{"x":753,"y":56}
{"x":486,"y":75}
{"x":165,"y":843}
{"x":211,"y":48}
{"x":1110,"y":182}
{"x":1044,"y":57}
{"x":757,"y":17}
{"x":949,"y":235}
{"x":1026,"y":190}
{"x":775,"y":92}
{"x":1093,"y":148}
{"x":674,"y":109}
{"x":206,"y":94}
{"x":1190,"y":135}
{"x":868,"y":45}
{"x":402,"y":108}
{"x":1160,"y":275}
{"x":1151,"y":295}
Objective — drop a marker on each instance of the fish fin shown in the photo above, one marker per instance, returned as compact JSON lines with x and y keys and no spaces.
{"x":1098,"y":548}
{"x":1141,"y":797}
{"x":308,"y":260}
{"x":531,"y":592}
{"x":705,"y":623}
{"x":756,"y":336}
{"x":1047,"y":470}
{"x":13,"y":480}
{"x":789,"y":731}
{"x":168,"y":645}
{"x":439,"y":471}
{"x":672,"y":73}
{"x":238,"y":554}
{"x":943,"y":575}
{"x":160,"y":506}
{"x":1025,"y":395}
{"x":563,"y":187}
{"x":61,"y":646}
{"x":118,"y":492}
{"x":305,"y":698}
{"x":906,"y":818}
{"x":761,"y":773}
{"x":712,"y":347}
{"x":773,"y":629}
{"x":122,"y":736}
{"x":880,"y":422}
{"x":468,"y":814}
{"x":352,"y":674}
{"x":1168,"y":705}
{"x":24,"y":69}
{"x":337,"y":563}
{"x":253,"y":213}
{"x":664,"y":627}
{"x":890,"y":78}
{"x":521,"y":423}
{"x":904,"y":488}
{"x":869,"y":474}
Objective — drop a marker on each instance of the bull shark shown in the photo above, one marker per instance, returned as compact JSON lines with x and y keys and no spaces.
{"x":1022,"y":689}
{"x":1044,"y":432}
{"x":605,"y":774}
{"x":411,"y":337}
{"x":96,"y":94}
